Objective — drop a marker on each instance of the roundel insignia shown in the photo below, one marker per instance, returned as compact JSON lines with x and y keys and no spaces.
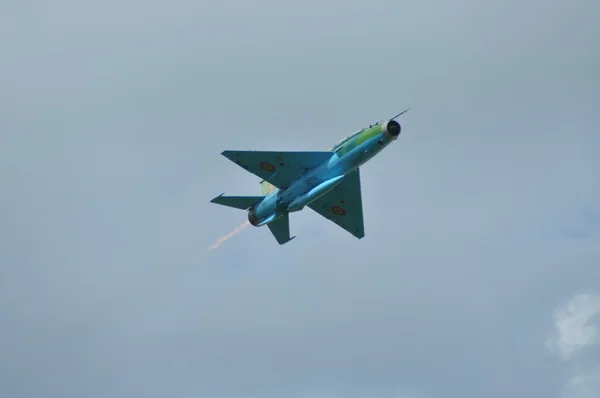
{"x":267,"y":166}
{"x":338,"y":210}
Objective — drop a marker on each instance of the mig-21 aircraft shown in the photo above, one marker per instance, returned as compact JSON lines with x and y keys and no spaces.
{"x":326,"y":181}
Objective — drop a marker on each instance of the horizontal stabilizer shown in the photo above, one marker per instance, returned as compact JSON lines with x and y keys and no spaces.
{"x":239,"y":202}
{"x":280,"y":229}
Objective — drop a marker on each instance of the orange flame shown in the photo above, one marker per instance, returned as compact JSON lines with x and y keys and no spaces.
{"x":230,"y":235}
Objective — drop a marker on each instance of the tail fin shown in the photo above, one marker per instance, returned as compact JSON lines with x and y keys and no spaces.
{"x":239,"y":202}
{"x":280,"y":229}
{"x":267,"y":187}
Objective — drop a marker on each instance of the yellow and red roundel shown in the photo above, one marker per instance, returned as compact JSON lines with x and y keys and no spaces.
{"x":338,"y":210}
{"x":267,"y":166}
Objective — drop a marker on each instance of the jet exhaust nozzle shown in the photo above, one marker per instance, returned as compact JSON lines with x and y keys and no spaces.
{"x":252,"y":218}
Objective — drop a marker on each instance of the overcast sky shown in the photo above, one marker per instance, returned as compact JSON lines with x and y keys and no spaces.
{"x":479,"y":275}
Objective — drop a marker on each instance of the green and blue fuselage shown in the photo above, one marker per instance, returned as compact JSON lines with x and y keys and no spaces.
{"x":348,"y":155}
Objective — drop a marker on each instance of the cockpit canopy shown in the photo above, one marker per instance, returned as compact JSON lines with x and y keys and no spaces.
{"x":348,"y":138}
{"x":344,"y":140}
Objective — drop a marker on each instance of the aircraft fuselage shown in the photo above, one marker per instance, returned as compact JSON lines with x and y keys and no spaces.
{"x":347,"y":156}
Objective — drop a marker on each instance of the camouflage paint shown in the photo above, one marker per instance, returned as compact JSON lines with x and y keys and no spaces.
{"x":355,"y":141}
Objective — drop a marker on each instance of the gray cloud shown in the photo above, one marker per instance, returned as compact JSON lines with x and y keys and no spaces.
{"x":479,"y":219}
{"x":585,"y":384}
{"x":576,"y":333}
{"x":576,"y":326}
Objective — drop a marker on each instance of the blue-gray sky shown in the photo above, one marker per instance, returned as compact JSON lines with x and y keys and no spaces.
{"x":479,"y":275}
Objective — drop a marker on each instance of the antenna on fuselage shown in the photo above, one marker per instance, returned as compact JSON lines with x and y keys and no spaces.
{"x":401,"y":113}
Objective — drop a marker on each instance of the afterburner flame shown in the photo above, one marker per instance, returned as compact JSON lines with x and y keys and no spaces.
{"x":230,"y":235}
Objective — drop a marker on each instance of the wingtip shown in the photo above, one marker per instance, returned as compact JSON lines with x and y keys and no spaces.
{"x":231,"y":155}
{"x":216,"y":197}
{"x":287,"y":241}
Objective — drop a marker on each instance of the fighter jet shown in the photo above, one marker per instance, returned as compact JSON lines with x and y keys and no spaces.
{"x":328,"y":182}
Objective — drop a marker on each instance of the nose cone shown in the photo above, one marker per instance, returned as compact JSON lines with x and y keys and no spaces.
{"x":393,"y":128}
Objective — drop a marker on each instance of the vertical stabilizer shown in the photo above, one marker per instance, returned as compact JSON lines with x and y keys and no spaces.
{"x":267,"y":188}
